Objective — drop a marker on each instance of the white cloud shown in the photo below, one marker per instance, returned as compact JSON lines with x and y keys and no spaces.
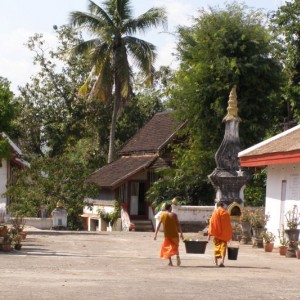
{"x":179,"y":11}
{"x":16,"y":60}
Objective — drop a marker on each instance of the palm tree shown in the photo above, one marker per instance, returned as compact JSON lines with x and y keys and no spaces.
{"x":113,"y":28}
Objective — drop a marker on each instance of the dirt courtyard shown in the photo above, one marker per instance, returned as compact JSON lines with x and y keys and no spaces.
{"x":126,"y":265}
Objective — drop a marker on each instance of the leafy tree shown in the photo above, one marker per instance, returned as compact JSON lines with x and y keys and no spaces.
{"x":50,"y":116}
{"x":50,"y":179}
{"x":113,"y":28}
{"x":286,"y":25}
{"x":7,"y":109}
{"x":224,"y":47}
{"x":7,"y":113}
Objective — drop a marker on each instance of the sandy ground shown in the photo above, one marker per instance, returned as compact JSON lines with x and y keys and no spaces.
{"x":126,"y":265}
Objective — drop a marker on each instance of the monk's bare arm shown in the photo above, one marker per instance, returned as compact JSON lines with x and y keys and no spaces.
{"x":156,"y":231}
{"x":178,"y":226}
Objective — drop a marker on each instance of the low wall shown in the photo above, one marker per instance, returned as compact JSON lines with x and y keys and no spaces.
{"x":191,"y":218}
{"x":39,"y":223}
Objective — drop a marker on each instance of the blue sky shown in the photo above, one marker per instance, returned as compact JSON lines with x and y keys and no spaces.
{"x":21,"y":19}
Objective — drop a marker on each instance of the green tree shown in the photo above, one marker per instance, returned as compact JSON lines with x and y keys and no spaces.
{"x":7,"y":114}
{"x":7,"y":110}
{"x":224,"y":47}
{"x":50,"y":179}
{"x":50,"y":116}
{"x":113,"y":27}
{"x":286,"y":26}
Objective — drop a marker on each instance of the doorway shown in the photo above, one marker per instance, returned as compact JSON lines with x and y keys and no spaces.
{"x":138,"y":205}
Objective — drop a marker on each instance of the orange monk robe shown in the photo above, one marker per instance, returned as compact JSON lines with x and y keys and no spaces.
{"x":220,"y":225}
{"x":170,"y":245}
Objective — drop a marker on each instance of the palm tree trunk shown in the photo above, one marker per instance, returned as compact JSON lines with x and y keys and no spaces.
{"x":111,"y":150}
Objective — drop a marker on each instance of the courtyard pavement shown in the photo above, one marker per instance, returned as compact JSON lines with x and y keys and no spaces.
{"x":126,"y":265}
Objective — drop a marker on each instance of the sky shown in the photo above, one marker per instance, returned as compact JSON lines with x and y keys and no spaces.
{"x":22,"y":19}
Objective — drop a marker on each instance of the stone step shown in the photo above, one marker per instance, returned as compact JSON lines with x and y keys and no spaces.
{"x":143,"y":225}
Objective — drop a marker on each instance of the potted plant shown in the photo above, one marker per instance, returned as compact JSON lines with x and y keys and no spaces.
{"x":258,"y":222}
{"x":17,"y":222}
{"x":17,"y":240}
{"x":245,"y":220}
{"x":292,"y":221}
{"x":283,"y":241}
{"x":269,"y":239}
{"x":7,"y":241}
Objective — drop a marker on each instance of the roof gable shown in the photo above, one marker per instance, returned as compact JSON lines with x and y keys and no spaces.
{"x":154,"y":136}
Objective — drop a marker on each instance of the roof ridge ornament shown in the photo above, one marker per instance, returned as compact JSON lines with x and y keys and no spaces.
{"x":232,"y":109}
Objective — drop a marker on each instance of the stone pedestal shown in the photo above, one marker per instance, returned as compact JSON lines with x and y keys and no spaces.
{"x":293,"y":237}
{"x":257,"y":237}
{"x":246,"y":233}
{"x":60,"y":217}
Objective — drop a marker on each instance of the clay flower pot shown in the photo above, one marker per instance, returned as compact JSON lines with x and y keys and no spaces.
{"x":283,"y":250}
{"x":269,"y":247}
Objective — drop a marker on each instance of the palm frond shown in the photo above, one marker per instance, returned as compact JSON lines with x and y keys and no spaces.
{"x":143,"y":55}
{"x":84,"y":47}
{"x":154,"y":17}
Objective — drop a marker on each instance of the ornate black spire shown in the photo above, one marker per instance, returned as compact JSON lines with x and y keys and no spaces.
{"x":228,"y":178}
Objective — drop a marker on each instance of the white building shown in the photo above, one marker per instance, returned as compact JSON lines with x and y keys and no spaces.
{"x":281,"y":156}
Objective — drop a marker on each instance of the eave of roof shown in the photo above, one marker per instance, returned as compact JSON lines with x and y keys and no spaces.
{"x":282,"y":148}
{"x":116,"y":173}
{"x":270,"y":159}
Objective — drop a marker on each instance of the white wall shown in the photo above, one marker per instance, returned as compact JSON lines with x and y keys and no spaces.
{"x":3,"y":181}
{"x":277,"y":191}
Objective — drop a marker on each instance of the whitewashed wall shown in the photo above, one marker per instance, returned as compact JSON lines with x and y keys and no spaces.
{"x":280,"y":195}
{"x":3,"y":181}
{"x":191,"y":214}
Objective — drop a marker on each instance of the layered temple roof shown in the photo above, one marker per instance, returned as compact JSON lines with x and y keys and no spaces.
{"x":142,"y":151}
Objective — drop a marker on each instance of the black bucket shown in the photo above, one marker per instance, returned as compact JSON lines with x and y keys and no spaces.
{"x":232,"y":253}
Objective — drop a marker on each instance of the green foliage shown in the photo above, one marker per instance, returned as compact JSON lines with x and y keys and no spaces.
{"x":255,"y":191}
{"x":50,"y":116}
{"x":110,"y":217}
{"x":114,"y":27}
{"x":49,"y":180}
{"x":224,"y":47}
{"x":268,"y":237}
{"x":5,"y":150}
{"x":7,"y":109}
{"x":286,"y":24}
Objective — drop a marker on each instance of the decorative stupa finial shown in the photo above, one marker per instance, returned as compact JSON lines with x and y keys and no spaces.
{"x":232,"y":109}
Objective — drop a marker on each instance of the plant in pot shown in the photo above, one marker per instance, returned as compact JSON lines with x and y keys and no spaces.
{"x":7,"y":241}
{"x":259,"y":220}
{"x":283,"y":241}
{"x":269,"y":239}
{"x":110,"y":217}
{"x":16,"y":239}
{"x":18,"y":224}
{"x":245,"y":220}
{"x":292,"y":221}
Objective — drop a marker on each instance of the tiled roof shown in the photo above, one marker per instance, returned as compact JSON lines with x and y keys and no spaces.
{"x":114,"y":174}
{"x":287,"y":141}
{"x":154,"y":135}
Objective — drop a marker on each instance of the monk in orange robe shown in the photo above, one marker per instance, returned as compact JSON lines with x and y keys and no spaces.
{"x":220,"y":229}
{"x":171,"y":225}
